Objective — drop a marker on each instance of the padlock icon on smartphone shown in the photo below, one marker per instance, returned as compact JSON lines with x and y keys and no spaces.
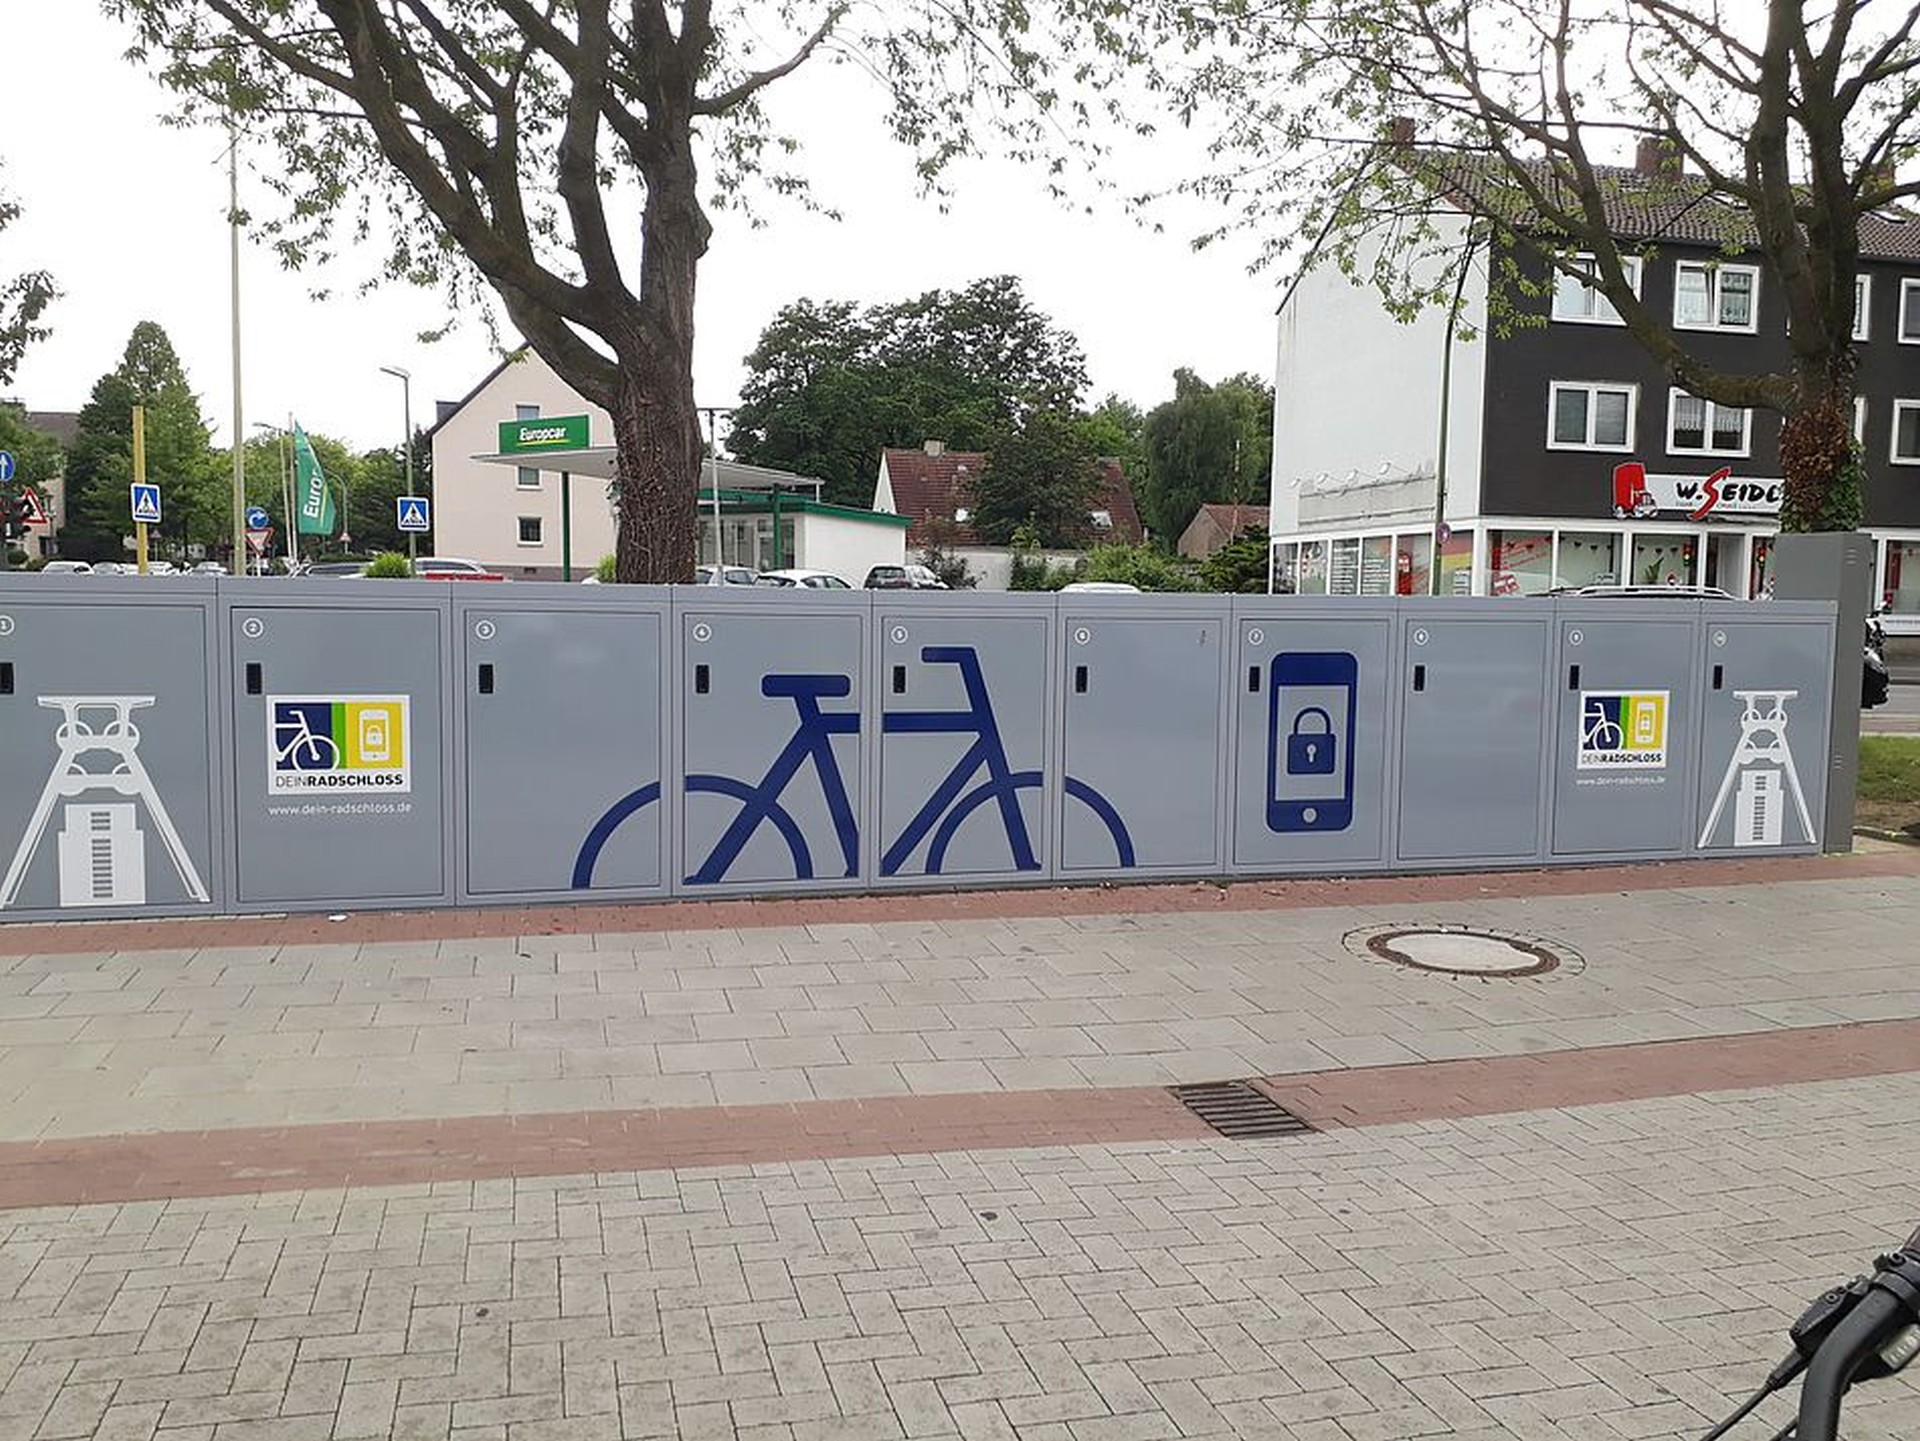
{"x":1310,"y":746}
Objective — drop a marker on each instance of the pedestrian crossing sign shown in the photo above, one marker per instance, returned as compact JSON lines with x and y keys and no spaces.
{"x":414,"y":513}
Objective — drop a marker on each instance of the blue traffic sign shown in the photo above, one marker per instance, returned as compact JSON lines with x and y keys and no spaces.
{"x":6,"y":466}
{"x":414,"y":514}
{"x":258,"y":519}
{"x":146,"y":504}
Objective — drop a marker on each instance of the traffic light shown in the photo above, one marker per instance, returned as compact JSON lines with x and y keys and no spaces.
{"x":14,"y":510}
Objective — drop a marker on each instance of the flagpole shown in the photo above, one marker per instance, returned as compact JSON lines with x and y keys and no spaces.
{"x":239,"y":415}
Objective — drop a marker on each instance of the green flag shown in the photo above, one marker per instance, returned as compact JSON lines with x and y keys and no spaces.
{"x":311,"y":492}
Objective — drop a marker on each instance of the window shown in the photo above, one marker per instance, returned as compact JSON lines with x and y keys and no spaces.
{"x":1860,"y":418}
{"x":529,"y":530}
{"x":525,"y":477}
{"x":1582,"y":416}
{"x":1702,"y":427}
{"x":1910,"y":312}
{"x":1862,"y":298}
{"x":1579,"y":300}
{"x":1906,"y":432}
{"x":1710,"y":296}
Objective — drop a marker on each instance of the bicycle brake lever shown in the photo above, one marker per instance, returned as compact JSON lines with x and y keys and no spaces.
{"x":1816,"y":1323}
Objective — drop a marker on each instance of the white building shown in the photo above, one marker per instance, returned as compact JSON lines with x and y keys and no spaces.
{"x":528,"y":521}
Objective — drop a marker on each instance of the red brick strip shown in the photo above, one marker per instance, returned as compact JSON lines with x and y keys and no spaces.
{"x":1440,"y":1090}
{"x":69,"y":937}
{"x":379,"y":1153}
{"x":387,"y":1153}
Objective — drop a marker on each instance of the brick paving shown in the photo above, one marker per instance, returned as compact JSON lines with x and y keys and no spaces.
{"x":1616,"y":1271}
{"x":904,"y":1168}
{"x":222,"y":1038}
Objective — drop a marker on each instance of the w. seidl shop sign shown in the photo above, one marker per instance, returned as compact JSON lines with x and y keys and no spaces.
{"x":1638,"y":495}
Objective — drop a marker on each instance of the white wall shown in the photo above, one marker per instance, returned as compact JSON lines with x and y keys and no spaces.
{"x":477,"y":507}
{"x":848,"y":548}
{"x":1357,"y":404}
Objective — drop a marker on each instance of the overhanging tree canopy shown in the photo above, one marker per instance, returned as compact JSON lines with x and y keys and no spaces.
{"x":565,"y":155}
{"x":1791,"y":124}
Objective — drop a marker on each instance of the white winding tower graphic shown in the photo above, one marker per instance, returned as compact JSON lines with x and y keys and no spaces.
{"x":1761,"y":764}
{"x":102,"y":850}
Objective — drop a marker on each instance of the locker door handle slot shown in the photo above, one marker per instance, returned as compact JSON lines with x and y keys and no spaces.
{"x":253,"y":677}
{"x":702,"y":679}
{"x":1573,"y":677}
{"x":1079,"y":680}
{"x":486,"y":678}
{"x":1419,"y":677}
{"x":1719,"y":676}
{"x":6,"y":677}
{"x":899,"y":680}
{"x":1253,"y":680}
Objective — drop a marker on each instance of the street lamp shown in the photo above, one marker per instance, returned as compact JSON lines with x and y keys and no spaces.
{"x":406,"y":441}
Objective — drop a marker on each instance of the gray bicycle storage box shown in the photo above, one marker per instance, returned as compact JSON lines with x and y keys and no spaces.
{"x":173,"y":746}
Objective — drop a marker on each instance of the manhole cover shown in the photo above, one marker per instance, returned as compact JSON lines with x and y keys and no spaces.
{"x":1474,"y":951}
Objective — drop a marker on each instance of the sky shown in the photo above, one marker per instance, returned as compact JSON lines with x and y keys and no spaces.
{"x":130,"y":216}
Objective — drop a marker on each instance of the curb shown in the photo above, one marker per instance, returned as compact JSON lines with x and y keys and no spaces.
{"x":1880,"y":833}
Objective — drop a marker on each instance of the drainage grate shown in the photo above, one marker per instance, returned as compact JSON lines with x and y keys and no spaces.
{"x":1239,"y":1110}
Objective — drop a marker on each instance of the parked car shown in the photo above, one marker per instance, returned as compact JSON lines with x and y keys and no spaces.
{"x":729,"y":575}
{"x":449,"y":567}
{"x":903,"y":577}
{"x":208,"y":567}
{"x":1101,"y":587}
{"x":1874,"y":678}
{"x":163,"y":567}
{"x":803,"y":580}
{"x":66,"y":567}
{"x":334,"y":569}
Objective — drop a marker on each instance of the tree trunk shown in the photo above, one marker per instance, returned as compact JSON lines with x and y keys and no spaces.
{"x":1818,"y":459}
{"x":656,"y":425}
{"x":656,"y":432}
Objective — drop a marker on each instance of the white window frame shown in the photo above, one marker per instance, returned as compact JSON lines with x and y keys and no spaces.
{"x":1716,"y":271}
{"x":1908,"y":285}
{"x":540,"y":531}
{"x":1860,"y":419}
{"x":1894,"y":456}
{"x":1592,"y":388}
{"x":1862,"y":302}
{"x":526,"y":477}
{"x":1675,"y":395}
{"x":1628,"y":263}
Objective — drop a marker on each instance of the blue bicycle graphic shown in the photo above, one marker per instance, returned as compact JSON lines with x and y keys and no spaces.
{"x":811,"y":744}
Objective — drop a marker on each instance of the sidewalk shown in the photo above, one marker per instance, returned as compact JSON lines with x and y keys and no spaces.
{"x":907,"y":1169}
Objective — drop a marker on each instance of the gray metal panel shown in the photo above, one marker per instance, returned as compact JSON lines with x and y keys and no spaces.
{"x":564,"y":747}
{"x":339,"y":760}
{"x":1142,"y":688}
{"x":107,"y":800}
{"x":1764,"y":669}
{"x":1470,"y":782}
{"x":773,"y":790}
{"x":965,"y":740}
{"x":1312,"y":706}
{"x":1622,"y":753}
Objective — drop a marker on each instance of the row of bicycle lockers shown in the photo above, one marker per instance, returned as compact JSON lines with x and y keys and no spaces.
{"x":183,"y":745}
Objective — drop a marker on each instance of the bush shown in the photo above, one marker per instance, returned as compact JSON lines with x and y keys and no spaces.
{"x":603,"y":572}
{"x":389,"y":565}
{"x":1240,"y":566}
{"x":1140,"y":565}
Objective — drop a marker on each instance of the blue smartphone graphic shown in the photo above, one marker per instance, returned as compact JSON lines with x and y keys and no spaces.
{"x":1310,"y":729}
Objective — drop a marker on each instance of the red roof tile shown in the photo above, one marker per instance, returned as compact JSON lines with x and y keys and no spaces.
{"x":928,"y":487}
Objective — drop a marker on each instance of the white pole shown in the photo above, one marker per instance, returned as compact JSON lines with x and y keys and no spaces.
{"x":239,"y":415}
